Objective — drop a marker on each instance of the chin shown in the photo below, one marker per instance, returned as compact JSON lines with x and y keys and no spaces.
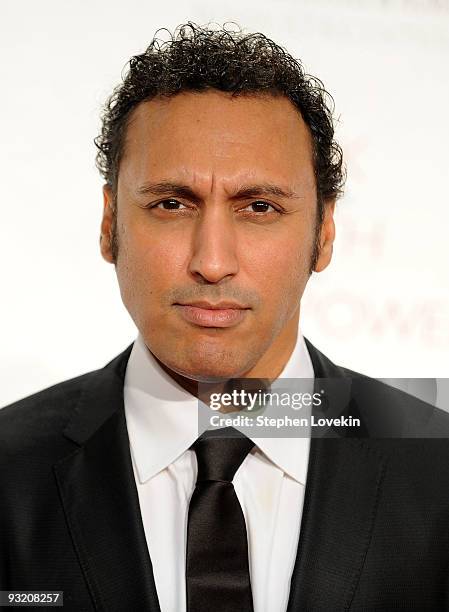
{"x":210,"y":370}
{"x":207,"y":373}
{"x":206,"y":359}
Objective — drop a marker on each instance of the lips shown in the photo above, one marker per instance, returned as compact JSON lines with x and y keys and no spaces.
{"x":205,"y":314}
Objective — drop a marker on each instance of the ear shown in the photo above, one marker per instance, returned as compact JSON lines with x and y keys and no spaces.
{"x":327,"y":237}
{"x":107,"y":224}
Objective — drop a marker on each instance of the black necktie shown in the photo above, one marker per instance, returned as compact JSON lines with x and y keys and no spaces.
{"x":217,"y":571}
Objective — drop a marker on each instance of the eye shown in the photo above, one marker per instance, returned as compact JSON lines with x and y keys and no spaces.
{"x":260,"y":207}
{"x":170,"y":204}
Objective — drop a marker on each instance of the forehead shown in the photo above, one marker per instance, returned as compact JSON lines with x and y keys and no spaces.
{"x":246,"y":136}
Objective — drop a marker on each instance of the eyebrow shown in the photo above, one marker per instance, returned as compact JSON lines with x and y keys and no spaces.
{"x":243,"y":192}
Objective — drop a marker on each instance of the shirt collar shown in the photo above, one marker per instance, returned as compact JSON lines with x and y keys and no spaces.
{"x":162,"y":417}
{"x":291,"y":454}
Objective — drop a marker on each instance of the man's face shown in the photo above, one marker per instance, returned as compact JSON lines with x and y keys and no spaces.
{"x":216,"y":202}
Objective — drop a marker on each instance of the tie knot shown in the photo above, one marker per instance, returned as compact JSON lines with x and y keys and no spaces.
{"x":219,"y":458}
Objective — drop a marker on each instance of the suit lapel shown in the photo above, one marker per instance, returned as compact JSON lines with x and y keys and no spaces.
{"x":100,"y":500}
{"x":343,"y":485}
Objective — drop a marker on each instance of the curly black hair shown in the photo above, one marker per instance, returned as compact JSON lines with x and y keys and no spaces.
{"x":196,"y":58}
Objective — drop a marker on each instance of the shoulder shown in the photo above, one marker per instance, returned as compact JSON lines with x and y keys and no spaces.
{"x":38,"y":418}
{"x":50,"y":409}
{"x":411,"y":435}
{"x":405,"y":408}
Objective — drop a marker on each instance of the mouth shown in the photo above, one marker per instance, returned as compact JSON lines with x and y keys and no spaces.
{"x":205,"y":314}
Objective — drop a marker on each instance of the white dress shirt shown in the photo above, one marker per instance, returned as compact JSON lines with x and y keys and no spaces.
{"x":162,"y":421}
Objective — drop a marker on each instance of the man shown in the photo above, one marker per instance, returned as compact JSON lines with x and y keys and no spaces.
{"x":221,"y":176}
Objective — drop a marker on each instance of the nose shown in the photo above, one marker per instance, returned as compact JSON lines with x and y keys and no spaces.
{"x":214,"y":254}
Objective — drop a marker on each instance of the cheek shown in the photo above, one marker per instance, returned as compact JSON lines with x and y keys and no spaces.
{"x":148,"y":264}
{"x":281,"y":267}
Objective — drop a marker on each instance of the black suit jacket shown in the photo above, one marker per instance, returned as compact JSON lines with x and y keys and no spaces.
{"x":375,"y":524}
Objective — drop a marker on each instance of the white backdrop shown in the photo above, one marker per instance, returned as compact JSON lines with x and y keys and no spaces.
{"x":382,"y":306}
